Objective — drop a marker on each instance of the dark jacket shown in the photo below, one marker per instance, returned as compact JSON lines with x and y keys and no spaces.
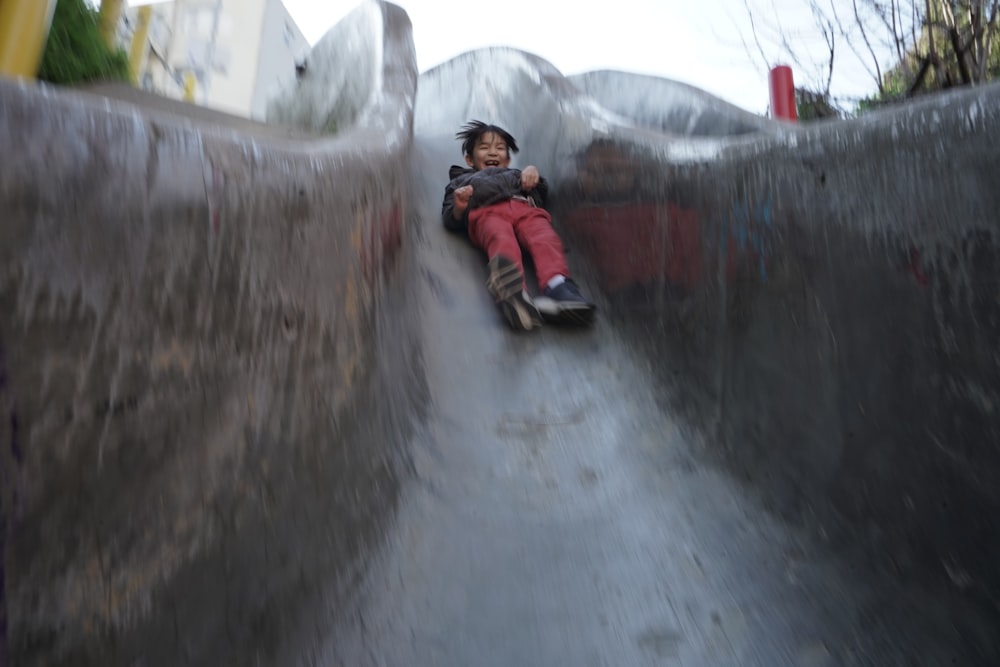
{"x":489,"y":186}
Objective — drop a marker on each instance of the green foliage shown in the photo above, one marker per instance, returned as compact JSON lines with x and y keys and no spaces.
{"x":942,"y":53}
{"x":900,"y":83}
{"x":811,"y":105}
{"x":868,"y":104}
{"x":895,"y":84}
{"x":895,"y":88}
{"x":75,"y":51}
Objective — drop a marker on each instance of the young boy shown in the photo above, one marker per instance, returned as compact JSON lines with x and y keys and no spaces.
{"x":501,"y":210}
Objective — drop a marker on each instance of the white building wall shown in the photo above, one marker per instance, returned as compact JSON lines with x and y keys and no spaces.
{"x":192,"y":28}
{"x":234,"y":53}
{"x":157,"y":74}
{"x":282,"y":46}
{"x":239,"y":52}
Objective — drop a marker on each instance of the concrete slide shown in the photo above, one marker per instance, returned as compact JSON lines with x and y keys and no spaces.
{"x":256,"y":407}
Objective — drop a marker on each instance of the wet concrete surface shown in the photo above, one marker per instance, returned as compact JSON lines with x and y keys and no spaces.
{"x":814,"y":302}
{"x":559,"y":514}
{"x":191,"y":356}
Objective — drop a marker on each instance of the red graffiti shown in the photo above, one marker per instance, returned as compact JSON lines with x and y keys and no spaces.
{"x":915,"y":269}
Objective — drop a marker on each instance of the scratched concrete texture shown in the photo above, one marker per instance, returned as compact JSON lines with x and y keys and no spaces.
{"x":257,"y":408}
{"x":189,"y":321}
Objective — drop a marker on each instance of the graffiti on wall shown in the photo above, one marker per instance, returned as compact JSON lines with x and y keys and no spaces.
{"x":749,"y":236}
{"x":638,"y":229}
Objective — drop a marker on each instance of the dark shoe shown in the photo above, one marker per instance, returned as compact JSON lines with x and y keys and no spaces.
{"x":564,"y":304}
{"x":506,"y":284}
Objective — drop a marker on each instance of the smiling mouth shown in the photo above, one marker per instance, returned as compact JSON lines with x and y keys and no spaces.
{"x":492,"y":163}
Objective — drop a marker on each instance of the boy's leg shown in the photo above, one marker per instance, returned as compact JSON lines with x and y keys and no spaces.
{"x":533,"y":228}
{"x":560,"y":301}
{"x":492,"y":231}
{"x":506,"y":284}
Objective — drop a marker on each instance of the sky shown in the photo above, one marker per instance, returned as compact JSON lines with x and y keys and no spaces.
{"x":708,"y":43}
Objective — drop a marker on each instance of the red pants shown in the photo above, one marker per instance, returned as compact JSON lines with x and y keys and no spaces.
{"x":501,"y":229}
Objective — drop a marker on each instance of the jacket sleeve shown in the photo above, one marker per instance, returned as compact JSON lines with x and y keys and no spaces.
{"x":448,"y":209}
{"x":488,"y":187}
{"x":540,"y":193}
{"x":494,"y":185}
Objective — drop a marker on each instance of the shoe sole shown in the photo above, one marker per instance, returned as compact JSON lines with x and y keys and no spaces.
{"x":576,"y":313}
{"x":506,"y":284}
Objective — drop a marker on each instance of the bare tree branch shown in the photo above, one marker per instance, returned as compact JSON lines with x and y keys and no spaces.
{"x":829,"y":36}
{"x":848,"y":37}
{"x":918,"y":80}
{"x":753,"y":30}
{"x":932,"y":50}
{"x":990,"y":32}
{"x":864,"y":36}
{"x":904,"y":45}
{"x":899,"y":36}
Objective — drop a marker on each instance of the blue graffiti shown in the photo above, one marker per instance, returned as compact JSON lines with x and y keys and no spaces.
{"x":752,"y":229}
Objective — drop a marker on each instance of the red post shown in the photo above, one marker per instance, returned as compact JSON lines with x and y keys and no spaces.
{"x":782,"y":93}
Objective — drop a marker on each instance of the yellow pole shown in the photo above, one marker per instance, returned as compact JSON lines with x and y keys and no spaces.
{"x":24,"y":28}
{"x":108,"y":17}
{"x":137,"y":53}
{"x":190,"y":82}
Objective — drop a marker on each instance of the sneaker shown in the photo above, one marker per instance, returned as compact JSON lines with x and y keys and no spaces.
{"x":506,"y":284}
{"x":564,"y":304}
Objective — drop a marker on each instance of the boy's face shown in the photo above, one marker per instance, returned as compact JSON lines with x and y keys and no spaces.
{"x":490,"y":151}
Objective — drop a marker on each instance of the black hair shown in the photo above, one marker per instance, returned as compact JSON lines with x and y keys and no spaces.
{"x":474,"y":129}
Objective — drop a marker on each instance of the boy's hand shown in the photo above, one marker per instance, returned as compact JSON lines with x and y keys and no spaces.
{"x":529,"y":177}
{"x":462,"y":197}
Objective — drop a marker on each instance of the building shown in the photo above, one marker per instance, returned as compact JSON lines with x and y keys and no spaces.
{"x":231,"y":55}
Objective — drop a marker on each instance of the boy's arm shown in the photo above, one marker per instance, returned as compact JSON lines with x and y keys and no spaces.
{"x":455,"y":207}
{"x":534,"y":185}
